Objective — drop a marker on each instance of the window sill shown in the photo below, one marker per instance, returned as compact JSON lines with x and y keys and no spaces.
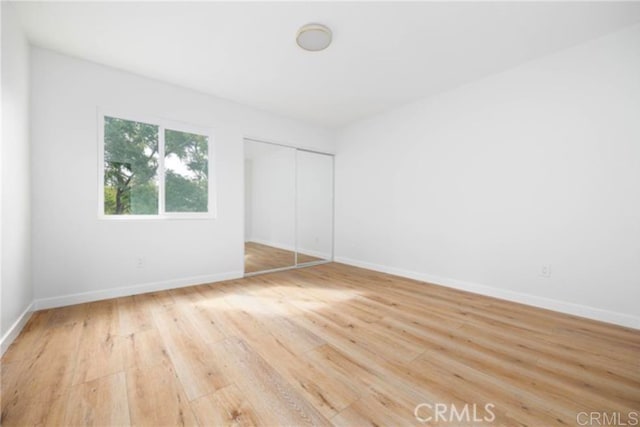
{"x":200,"y":217}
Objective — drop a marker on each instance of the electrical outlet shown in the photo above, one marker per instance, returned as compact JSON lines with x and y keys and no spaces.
{"x":139,"y":262}
{"x":545,"y":270}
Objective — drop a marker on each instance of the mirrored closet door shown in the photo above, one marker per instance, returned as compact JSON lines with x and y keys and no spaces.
{"x":288,"y":207}
{"x":270,"y":206}
{"x":314,"y":207}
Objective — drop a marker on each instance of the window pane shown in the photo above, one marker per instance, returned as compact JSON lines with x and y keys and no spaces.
{"x":186,"y":165}
{"x":130,"y":167}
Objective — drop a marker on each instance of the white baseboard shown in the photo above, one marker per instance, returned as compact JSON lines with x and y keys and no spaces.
{"x":621,"y":319}
{"x":276,"y":245}
{"x":15,"y":329}
{"x":308,"y":252}
{"x":78,"y":298}
{"x":316,"y":254}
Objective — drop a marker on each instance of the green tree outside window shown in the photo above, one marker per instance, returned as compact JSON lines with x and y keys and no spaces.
{"x":131,"y":164}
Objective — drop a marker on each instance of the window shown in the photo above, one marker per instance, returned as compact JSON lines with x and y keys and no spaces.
{"x":186,"y":166}
{"x":149,"y":168}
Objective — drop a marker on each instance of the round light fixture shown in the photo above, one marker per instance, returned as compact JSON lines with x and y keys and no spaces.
{"x":313,"y":37}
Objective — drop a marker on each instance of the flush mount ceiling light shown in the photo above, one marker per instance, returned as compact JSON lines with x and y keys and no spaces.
{"x":313,"y":37}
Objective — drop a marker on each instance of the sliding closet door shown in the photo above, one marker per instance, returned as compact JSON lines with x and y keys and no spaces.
{"x":270,"y":192}
{"x":314,"y":207}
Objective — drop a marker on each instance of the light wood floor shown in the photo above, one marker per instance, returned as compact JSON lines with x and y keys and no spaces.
{"x":258,"y":257}
{"x":324,"y":345}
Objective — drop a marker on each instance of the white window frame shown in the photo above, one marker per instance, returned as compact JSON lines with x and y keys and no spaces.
{"x":162,"y":125}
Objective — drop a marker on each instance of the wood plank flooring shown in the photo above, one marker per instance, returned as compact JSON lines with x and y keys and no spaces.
{"x":259,"y":257}
{"x":325,"y":345}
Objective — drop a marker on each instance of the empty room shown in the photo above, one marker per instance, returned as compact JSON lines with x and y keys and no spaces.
{"x":320,"y":213}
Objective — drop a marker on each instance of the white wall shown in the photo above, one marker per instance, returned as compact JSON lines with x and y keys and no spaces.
{"x":73,"y":251}
{"x":273,"y":192}
{"x":16,"y":286}
{"x":481,"y":186}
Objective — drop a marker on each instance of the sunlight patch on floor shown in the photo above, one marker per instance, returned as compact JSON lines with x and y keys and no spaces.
{"x":273,"y":300}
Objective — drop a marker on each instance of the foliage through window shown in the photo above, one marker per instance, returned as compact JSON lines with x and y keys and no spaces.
{"x":186,"y":171}
{"x":150,"y":169}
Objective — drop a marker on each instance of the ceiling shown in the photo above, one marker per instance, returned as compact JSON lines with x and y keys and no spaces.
{"x":383,"y":54}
